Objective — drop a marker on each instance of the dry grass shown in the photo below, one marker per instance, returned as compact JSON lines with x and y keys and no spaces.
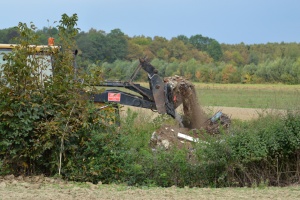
{"x":85,"y":191}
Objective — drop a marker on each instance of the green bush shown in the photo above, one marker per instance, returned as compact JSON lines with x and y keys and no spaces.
{"x":263,"y":150}
{"x":39,"y":118}
{"x":95,"y":156}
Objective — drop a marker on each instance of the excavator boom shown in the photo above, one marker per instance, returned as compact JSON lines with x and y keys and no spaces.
{"x":158,"y":97}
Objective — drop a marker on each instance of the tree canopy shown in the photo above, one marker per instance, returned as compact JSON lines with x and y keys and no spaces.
{"x":255,"y":63}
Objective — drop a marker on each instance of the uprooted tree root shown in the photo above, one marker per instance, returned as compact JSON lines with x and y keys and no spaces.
{"x":194,"y":118}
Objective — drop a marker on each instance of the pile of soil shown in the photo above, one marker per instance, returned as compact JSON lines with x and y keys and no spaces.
{"x":166,"y":137}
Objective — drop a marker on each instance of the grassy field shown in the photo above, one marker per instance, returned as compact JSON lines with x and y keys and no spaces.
{"x":249,"y":96}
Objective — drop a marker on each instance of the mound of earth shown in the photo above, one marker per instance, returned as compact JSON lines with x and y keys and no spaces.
{"x":167,"y":136}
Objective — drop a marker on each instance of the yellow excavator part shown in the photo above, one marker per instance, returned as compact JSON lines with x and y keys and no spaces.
{"x":35,"y":48}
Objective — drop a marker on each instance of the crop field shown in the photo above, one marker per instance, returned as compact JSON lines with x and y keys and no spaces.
{"x":249,"y":96}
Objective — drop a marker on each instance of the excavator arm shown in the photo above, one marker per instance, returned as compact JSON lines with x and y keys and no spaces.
{"x":158,"y":97}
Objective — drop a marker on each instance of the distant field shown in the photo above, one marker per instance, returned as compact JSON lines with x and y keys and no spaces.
{"x":263,"y":96}
{"x":249,"y":96}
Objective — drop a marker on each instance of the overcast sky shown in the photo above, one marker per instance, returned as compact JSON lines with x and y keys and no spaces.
{"x":227,"y":21}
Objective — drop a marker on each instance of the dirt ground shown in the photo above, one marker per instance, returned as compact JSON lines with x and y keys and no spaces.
{"x":232,"y":112}
{"x":39,"y":187}
{"x":243,"y":113}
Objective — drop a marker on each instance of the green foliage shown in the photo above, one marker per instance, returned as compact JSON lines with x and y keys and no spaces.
{"x":211,"y":46}
{"x":120,"y":70}
{"x":99,"y":46}
{"x":277,"y":71}
{"x":22,"y":108}
{"x":258,"y":151}
{"x":40,"y":113}
{"x":95,"y":154}
{"x":8,"y":35}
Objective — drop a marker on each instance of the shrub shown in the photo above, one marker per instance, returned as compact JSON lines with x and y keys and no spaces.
{"x":38,"y":118}
{"x":260,"y":151}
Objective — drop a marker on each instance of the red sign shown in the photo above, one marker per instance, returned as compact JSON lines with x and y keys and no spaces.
{"x":114,"y":96}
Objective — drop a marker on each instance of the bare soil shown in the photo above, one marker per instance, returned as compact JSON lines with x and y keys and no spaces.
{"x":243,"y":113}
{"x":39,"y":187}
{"x":232,"y":112}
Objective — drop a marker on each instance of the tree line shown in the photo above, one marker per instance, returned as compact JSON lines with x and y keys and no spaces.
{"x":199,"y":58}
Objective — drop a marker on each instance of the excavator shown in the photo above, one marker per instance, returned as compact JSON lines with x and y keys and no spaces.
{"x":162,"y":96}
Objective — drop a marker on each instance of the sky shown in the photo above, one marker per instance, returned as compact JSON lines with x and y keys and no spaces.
{"x":227,"y":21}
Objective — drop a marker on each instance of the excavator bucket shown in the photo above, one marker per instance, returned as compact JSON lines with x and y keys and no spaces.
{"x":158,"y":92}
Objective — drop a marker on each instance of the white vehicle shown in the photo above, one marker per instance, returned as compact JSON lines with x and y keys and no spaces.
{"x":41,"y":53}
